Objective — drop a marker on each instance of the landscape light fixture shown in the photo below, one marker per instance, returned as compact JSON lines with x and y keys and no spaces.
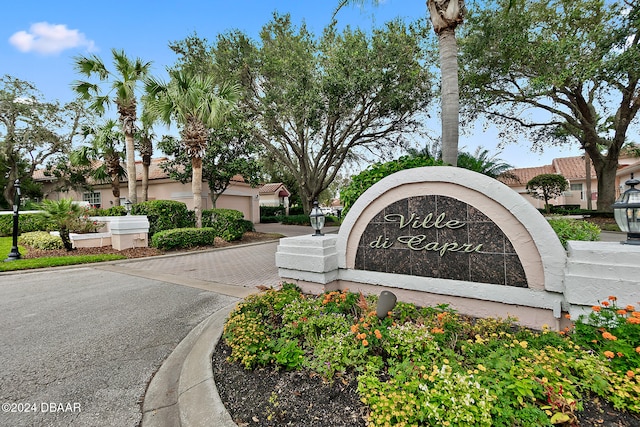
{"x":15,"y":253}
{"x":386,"y":303}
{"x":626,"y":211}
{"x":317,"y":219}
{"x":127,"y":206}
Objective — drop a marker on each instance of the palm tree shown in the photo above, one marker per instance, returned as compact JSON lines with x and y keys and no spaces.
{"x":445,"y":15}
{"x":145,"y":139}
{"x":196,"y":104}
{"x":62,"y":213}
{"x":480,"y":161}
{"x":104,"y":150}
{"x":128,"y":73}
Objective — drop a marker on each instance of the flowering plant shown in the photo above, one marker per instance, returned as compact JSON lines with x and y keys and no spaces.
{"x":614,"y":332}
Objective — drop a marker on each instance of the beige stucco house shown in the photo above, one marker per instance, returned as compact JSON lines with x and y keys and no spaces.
{"x":239,"y":195}
{"x":575,"y":171}
{"x":275,"y":194}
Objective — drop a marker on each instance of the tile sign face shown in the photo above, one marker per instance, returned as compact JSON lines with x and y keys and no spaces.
{"x":441,"y":237}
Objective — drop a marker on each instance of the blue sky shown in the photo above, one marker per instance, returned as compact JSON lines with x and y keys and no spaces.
{"x":39,"y":38}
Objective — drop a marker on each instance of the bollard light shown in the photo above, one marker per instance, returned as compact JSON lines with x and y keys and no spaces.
{"x":386,"y":302}
{"x":317,"y":219}
{"x":626,"y":211}
{"x":15,"y":253}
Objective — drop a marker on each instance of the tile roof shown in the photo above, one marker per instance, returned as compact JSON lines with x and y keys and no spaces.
{"x":572,"y":167}
{"x":271,"y":187}
{"x":524,"y":175}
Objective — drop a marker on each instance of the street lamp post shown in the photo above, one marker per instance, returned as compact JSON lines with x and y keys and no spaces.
{"x":15,"y":253}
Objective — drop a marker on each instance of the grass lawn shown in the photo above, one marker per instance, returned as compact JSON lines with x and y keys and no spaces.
{"x":24,"y":264}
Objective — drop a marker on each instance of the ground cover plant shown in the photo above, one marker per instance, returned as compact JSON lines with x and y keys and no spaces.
{"x":432,"y":366}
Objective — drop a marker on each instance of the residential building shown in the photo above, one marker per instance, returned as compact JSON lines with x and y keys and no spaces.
{"x":574,"y":170}
{"x":239,"y":195}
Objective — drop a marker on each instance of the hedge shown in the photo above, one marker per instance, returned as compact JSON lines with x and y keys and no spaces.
{"x":164,"y":215}
{"x":229,"y":224}
{"x":183,"y":238}
{"x":27,"y":222}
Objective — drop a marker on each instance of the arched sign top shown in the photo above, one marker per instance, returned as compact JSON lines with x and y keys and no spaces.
{"x":451,"y":223}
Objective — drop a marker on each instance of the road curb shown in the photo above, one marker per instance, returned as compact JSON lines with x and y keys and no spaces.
{"x":183,"y":392}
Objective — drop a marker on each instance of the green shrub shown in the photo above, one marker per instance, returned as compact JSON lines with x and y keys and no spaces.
{"x":269,"y":219}
{"x":271,"y":211}
{"x":571,"y":229}
{"x":374,"y":173}
{"x":26,"y":223}
{"x":229,"y":224}
{"x":295,"y":220}
{"x":183,"y":238}
{"x":296,"y":210}
{"x":40,"y":240}
{"x":164,"y":215}
{"x":112,"y":211}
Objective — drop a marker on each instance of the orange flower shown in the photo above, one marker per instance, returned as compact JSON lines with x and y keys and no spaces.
{"x":354,"y":328}
{"x":365,"y":343}
{"x":595,"y":308}
{"x":609,"y":336}
{"x":630,"y":374}
{"x":636,"y":314}
{"x":437,"y":331}
{"x":621,"y":312}
{"x":633,"y":320}
{"x":620,"y":354}
{"x":605,"y":303}
{"x":637,"y":349}
{"x":441,"y":315}
{"x":609,"y":354}
{"x":567,"y":316}
{"x":630,"y":308}
{"x":612,"y":298}
{"x":378,"y":334}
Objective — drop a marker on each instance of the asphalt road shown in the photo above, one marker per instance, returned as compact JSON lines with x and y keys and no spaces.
{"x":79,"y":346}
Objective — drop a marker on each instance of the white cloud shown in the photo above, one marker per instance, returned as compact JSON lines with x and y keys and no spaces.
{"x":49,"y":39}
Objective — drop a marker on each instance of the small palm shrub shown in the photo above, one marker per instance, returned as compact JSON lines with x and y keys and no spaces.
{"x":183,"y":238}
{"x":40,"y":240}
{"x":63,"y":213}
{"x":431,"y":366}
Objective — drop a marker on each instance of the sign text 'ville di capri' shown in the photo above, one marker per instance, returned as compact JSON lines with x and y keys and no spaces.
{"x":441,"y":237}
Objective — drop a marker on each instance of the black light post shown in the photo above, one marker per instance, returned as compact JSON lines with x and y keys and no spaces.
{"x":15,"y":253}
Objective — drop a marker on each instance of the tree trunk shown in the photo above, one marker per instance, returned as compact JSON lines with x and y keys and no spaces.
{"x":606,"y":173}
{"x":450,"y":95}
{"x":196,"y":188}
{"x":587,"y":174}
{"x":115,"y":188}
{"x":66,"y":241}
{"x":131,"y":167}
{"x":146,"y":162}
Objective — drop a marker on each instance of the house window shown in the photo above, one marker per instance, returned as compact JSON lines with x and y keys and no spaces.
{"x":578,"y":187}
{"x":93,"y":198}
